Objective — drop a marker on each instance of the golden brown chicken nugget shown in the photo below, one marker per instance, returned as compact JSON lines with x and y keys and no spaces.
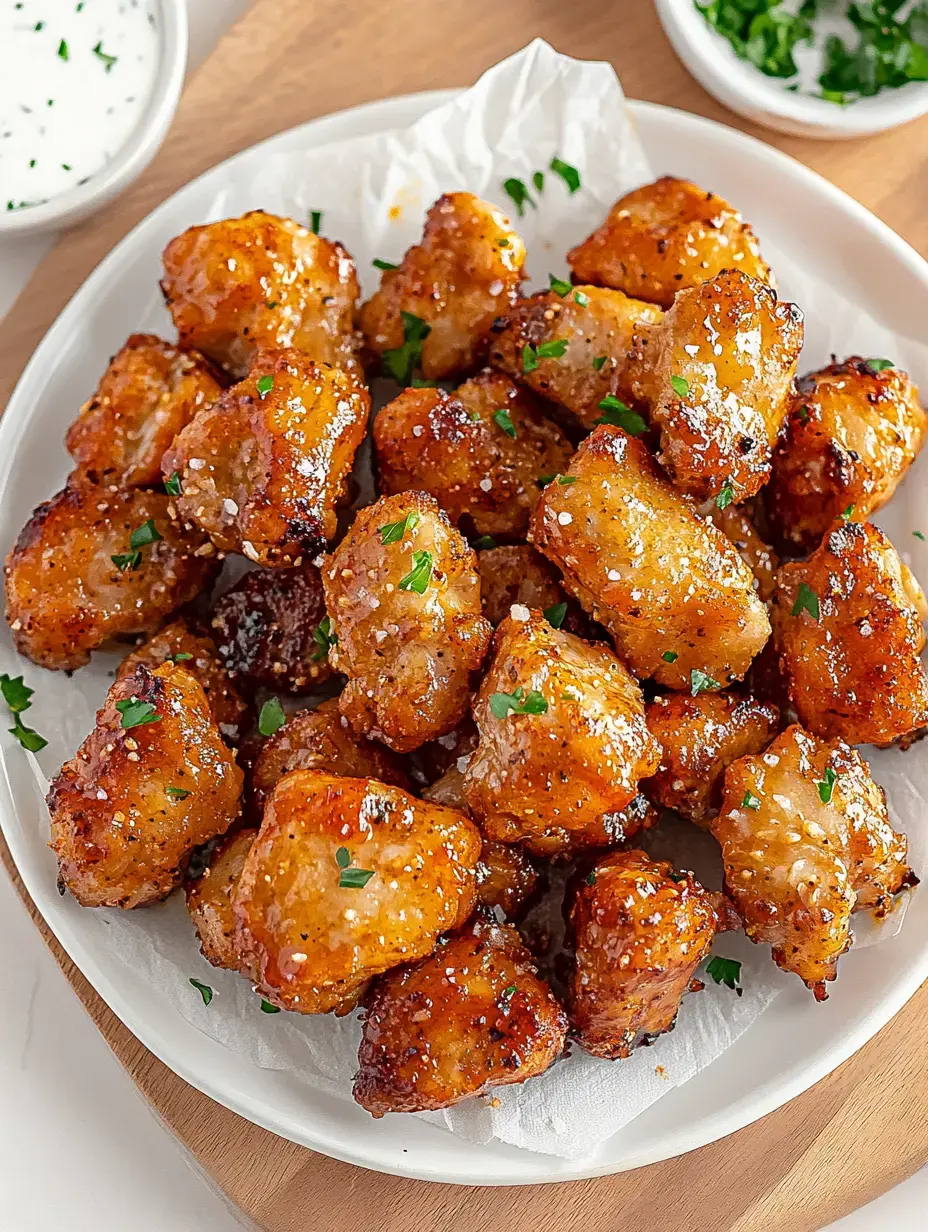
{"x":639,"y":930}
{"x":347,"y":878}
{"x":848,"y":628}
{"x":209,"y":899}
{"x":853,"y":430}
{"x":472,"y":1016}
{"x":664,"y":237}
{"x":151,"y":782}
{"x":736,"y":525}
{"x":479,"y":451}
{"x":563,"y":740}
{"x":97,"y":562}
{"x":264,"y":469}
{"x":434,"y":309}
{"x":716,"y":376}
{"x":240,"y":284}
{"x":404,"y":599}
{"x":669,"y":586}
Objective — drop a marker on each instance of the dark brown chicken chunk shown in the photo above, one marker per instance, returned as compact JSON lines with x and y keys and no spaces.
{"x":519,"y":574}
{"x":209,"y":900}
{"x":664,"y":237}
{"x":472,"y":1016}
{"x":640,"y":930}
{"x":95,"y":563}
{"x":848,"y":628}
{"x":738,"y":527}
{"x":150,"y":391}
{"x":852,"y":432}
{"x":506,"y":878}
{"x":479,"y":451}
{"x":151,"y":782}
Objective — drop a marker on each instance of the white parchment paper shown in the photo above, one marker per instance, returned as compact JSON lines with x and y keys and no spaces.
{"x":373,"y":192}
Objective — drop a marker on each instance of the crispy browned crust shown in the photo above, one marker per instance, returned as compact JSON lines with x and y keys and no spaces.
{"x":209,"y":899}
{"x":664,"y":237}
{"x":472,"y":1016}
{"x":120,"y":829}
{"x":312,"y":945}
{"x":518,"y":574}
{"x":506,"y":878}
{"x":738,"y":526}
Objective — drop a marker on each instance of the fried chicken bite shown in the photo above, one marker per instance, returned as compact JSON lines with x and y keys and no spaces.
{"x":563,"y":740}
{"x":716,"y":376}
{"x":347,"y":878}
{"x":320,"y":739}
{"x":472,"y":1016}
{"x":806,"y":840}
{"x":209,"y":899}
{"x":853,"y":430}
{"x":151,"y":782}
{"x":737,"y":526}
{"x":404,"y":598}
{"x":506,"y":877}
{"x":639,"y":930}
{"x":519,"y":574}
{"x":235,"y":286}
{"x":149,"y":392}
{"x":97,"y":562}
{"x":670,"y":588}
{"x":848,"y":628}
{"x":446,"y":292}
{"x":181,"y":642}
{"x":479,"y":451}
{"x":264,"y":469}
{"x":592,"y":330}
{"x":664,"y":237}
{"x":271,"y":630}
{"x":699,"y":738}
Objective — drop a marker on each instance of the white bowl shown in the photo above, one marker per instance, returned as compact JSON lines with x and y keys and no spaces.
{"x":745,"y":89}
{"x":139,"y":149}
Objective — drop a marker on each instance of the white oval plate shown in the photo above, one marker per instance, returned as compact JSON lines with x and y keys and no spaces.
{"x":791,"y":1046}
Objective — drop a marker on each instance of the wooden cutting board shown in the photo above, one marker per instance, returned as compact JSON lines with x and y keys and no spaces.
{"x":857,"y":1132}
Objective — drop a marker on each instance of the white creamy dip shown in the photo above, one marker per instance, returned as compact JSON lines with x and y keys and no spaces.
{"x":75,"y":78}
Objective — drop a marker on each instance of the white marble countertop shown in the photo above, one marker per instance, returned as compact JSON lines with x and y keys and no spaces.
{"x":81,"y":1148}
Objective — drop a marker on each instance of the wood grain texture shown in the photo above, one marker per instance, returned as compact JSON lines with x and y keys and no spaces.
{"x":860,"y":1130}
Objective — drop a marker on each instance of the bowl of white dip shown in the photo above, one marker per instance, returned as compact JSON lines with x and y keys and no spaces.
{"x":88,"y":89}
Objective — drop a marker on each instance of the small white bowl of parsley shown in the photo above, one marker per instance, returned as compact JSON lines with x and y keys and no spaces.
{"x":812,"y":68}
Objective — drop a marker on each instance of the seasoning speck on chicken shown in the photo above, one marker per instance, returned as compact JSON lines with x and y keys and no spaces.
{"x":403,"y":596}
{"x":478,"y":451}
{"x":716,"y":375}
{"x":151,"y":782}
{"x":639,"y":931}
{"x":664,"y":237}
{"x":851,"y":434}
{"x":806,"y":840}
{"x":669,"y":586}
{"x":472,"y":1016}
{"x":848,"y":628}
{"x":466,"y":271}
{"x":347,"y":878}
{"x":563,"y":740}
{"x":596,"y":327}
{"x":263,"y":470}
{"x":149,"y":392}
{"x":209,"y":900}
{"x":74,"y":579}
{"x":240,"y":284}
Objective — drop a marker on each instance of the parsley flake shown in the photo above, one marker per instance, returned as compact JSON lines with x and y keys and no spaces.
{"x":826,"y":786}
{"x":264,"y":386}
{"x":393,"y":532}
{"x":180,"y":657}
{"x":419,"y":576}
{"x":133,"y":712}
{"x":172,"y":485}
{"x":504,"y":1000}
{"x":555,"y":614}
{"x":315,"y":221}
{"x":400,"y":362}
{"x":879,"y":365}
{"x":267,"y":1008}
{"x":701,"y":683}
{"x":519,"y":194}
{"x":325,"y":638}
{"x":203,"y":989}
{"x":532,"y":703}
{"x":484,"y":543}
{"x":354,"y":878}
{"x":538,"y":179}
{"x":503,"y":420}
{"x":145,"y":534}
{"x":806,"y":600}
{"x":803,"y":414}
{"x":615,"y":412}
{"x":725,"y":971}
{"x":581,"y":298}
{"x":598,"y":362}
{"x":919,"y":535}
{"x":383,"y":265}
{"x":63,"y":50}
{"x":272,"y":717}
{"x":564,"y":481}
{"x":570,"y":175}
{"x":670,"y":656}
{"x":680,"y":386}
{"x":591,"y":877}
{"x":108,"y":61}
{"x":750,"y":801}
{"x":17,"y":695}
{"x":126,"y":560}
{"x":725,"y":497}
{"x":559,"y":286}
{"x":847,"y":514}
{"x":343,"y":857}
{"x":179,"y":793}
{"x":545,"y":350}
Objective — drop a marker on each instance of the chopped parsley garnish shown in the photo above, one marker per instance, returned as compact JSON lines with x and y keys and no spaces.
{"x":555,"y":614}
{"x":127,"y":560}
{"x":267,"y":1008}
{"x":502,"y":242}
{"x":680,"y":386}
{"x":108,"y":61}
{"x":393,"y":532}
{"x":615,"y":412}
{"x":725,"y":497}
{"x":519,"y":703}
{"x":264,"y":386}
{"x":179,"y":793}
{"x":516,"y":190}
{"x":325,"y":638}
{"x":354,"y":878}
{"x":879,"y":365}
{"x":803,"y":414}
{"x":172,"y":485}
{"x":145,"y":534}
{"x":315,"y":221}
{"x":581,"y":298}
{"x":383,"y":265}
{"x":18,"y":697}
{"x":503,"y":420}
{"x":419,"y":576}
{"x":599,"y":361}
{"x":180,"y":657}
{"x":545,"y":350}
{"x":847,"y":514}
{"x":484,"y":543}
{"x":570,"y":175}
{"x":272,"y":717}
{"x":670,"y":656}
{"x":701,"y":683}
{"x":203,"y":989}
{"x":538,"y":179}
{"x":725,"y":971}
{"x":63,"y":50}
{"x":400,"y":362}
{"x":826,"y":785}
{"x":343,"y":857}
{"x":919,"y":535}
{"x":271,"y":303}
{"x":750,"y":801}
{"x":559,"y":286}
{"x":133,"y":712}
{"x":564,"y":481}
{"x":591,"y":877}
{"x":504,"y":1000}
{"x":806,"y":600}
{"x":419,"y":382}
